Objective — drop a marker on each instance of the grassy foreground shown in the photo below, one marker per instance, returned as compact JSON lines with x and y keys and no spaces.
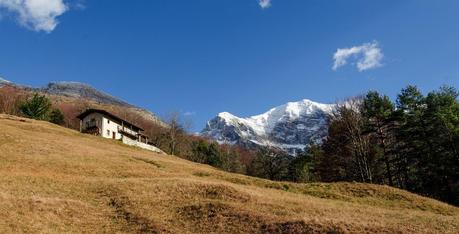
{"x":55,"y":180}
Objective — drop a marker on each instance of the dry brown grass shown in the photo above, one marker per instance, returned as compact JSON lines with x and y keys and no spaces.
{"x":55,"y":180}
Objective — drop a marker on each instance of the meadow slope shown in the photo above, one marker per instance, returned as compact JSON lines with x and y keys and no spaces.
{"x":55,"y":180}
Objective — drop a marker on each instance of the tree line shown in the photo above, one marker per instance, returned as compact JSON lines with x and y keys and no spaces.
{"x":410,"y":144}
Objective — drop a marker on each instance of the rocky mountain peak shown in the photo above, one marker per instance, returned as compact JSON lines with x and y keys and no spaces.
{"x":291,"y":126}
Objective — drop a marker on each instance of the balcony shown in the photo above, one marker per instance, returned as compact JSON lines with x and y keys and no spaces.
{"x":127,"y":131}
{"x":91,"y":124}
{"x":91,"y":127}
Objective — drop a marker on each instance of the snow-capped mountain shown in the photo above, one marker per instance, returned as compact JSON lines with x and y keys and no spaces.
{"x":290,"y":127}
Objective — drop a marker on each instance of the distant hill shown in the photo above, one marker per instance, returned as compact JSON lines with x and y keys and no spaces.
{"x":78,"y":93}
{"x":56,"y":180}
{"x":81,"y":90}
{"x":291,"y":127}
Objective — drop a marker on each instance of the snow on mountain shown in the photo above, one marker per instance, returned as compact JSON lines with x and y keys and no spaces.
{"x":4,"y":82}
{"x":290,"y":127}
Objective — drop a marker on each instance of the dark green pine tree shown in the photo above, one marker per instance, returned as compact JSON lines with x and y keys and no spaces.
{"x":301,"y":168}
{"x":37,"y":107}
{"x":379,"y":124}
{"x":214,"y":156}
{"x":442,"y":168}
{"x":413,"y":145}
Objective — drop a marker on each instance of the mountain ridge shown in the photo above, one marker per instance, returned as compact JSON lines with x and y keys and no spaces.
{"x":82,"y":90}
{"x":79,"y":90}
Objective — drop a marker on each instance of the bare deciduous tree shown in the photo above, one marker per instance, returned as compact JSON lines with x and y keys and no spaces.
{"x":10,"y":99}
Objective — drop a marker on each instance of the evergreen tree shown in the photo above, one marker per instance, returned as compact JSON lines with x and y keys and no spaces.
{"x":440,"y":179}
{"x":414,"y":143}
{"x":379,"y":125}
{"x":200,"y":151}
{"x":301,"y":168}
{"x":38,"y":107}
{"x":213,"y":155}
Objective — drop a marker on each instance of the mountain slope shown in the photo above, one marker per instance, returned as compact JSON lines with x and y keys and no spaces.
{"x":53,"y":179}
{"x":290,"y":127}
{"x":81,"y":90}
{"x":78,"y":91}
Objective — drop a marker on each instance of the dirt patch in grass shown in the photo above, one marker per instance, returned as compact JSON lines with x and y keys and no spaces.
{"x":221,"y":192}
{"x":311,"y":226}
{"x":299,"y":227}
{"x":202,"y":174}
{"x":217,"y":217}
{"x":149,"y":161}
{"x":133,"y":222}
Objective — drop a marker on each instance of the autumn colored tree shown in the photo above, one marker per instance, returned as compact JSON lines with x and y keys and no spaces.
{"x":10,"y":100}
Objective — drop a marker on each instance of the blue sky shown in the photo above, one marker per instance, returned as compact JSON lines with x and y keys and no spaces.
{"x":202,"y":57}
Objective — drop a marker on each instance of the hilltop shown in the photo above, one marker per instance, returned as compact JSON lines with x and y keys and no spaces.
{"x":54,"y":179}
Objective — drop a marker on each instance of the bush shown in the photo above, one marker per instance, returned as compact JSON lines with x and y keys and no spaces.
{"x":56,"y":116}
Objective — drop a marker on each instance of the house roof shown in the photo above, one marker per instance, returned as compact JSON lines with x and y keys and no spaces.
{"x":106,"y":113}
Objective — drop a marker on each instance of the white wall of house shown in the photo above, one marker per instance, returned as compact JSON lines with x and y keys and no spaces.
{"x":109,"y":127}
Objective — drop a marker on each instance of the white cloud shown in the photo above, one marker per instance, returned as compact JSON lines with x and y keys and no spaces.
{"x":368,"y":56}
{"x":264,"y":3}
{"x":38,"y":15}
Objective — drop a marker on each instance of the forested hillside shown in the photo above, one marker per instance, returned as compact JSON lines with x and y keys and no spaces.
{"x":410,"y":144}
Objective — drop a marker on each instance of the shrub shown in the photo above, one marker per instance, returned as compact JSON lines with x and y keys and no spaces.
{"x":56,"y":116}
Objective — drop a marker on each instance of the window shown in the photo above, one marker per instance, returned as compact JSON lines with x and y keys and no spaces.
{"x":108,"y":132}
{"x":108,"y":121}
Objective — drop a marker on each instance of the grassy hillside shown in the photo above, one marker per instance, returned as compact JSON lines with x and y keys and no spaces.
{"x":53,"y":179}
